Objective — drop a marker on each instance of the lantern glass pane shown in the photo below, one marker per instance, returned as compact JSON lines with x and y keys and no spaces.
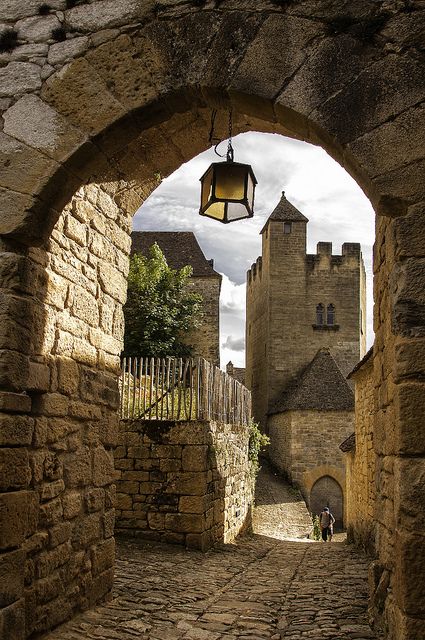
{"x":236,"y":211}
{"x":230,"y":182}
{"x":216,"y":210}
{"x":250,"y":191}
{"x":206,"y":188}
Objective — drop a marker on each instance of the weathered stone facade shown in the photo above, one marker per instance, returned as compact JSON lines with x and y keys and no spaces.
{"x":181,"y":248}
{"x":284,"y":290}
{"x":187,"y":483}
{"x":128,"y":96}
{"x":306,"y":428}
{"x":360,"y":461}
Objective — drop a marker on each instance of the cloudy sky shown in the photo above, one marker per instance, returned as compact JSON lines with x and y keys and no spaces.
{"x":336,"y":207}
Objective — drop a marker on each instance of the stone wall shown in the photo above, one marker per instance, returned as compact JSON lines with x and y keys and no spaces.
{"x":57,"y":514}
{"x":304,"y":446}
{"x":206,"y":337}
{"x":183,"y":482}
{"x":360,"y":461}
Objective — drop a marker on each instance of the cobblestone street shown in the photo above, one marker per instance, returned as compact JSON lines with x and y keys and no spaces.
{"x":264,"y":586}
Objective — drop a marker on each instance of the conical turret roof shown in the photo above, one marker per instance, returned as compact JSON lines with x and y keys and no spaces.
{"x":286,"y":212}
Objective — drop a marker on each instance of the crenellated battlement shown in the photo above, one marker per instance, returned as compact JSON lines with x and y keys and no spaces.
{"x":324,"y":258}
{"x":256,"y":269}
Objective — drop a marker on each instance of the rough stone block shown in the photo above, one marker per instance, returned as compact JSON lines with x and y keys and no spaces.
{"x":39,"y":377}
{"x":68,"y":49}
{"x":51,"y":490}
{"x":87,"y":530}
{"x":23,"y":168}
{"x":108,"y":523}
{"x":16,"y":429}
{"x":17,"y":77}
{"x":15,"y":472}
{"x":409,"y":587}
{"x":189,"y":484}
{"x":51,"y":404}
{"x":68,"y":376}
{"x":49,"y":588}
{"x":276,"y":63}
{"x":202,"y":541}
{"x":156,"y":521}
{"x":51,"y":513}
{"x":14,"y":373}
{"x":192,"y":504}
{"x":77,"y":468}
{"x":86,"y":88}
{"x":12,"y":621}
{"x":184,"y":522}
{"x":195,"y":458}
{"x":59,"y":534}
{"x":103,"y":556}
{"x":18,"y":517}
{"x":101,"y":586}
{"x":112,"y":282}
{"x":72,"y":502}
{"x":11,"y":577}
{"x":103,"y":467}
{"x":410,"y":415}
{"x":33,"y":121}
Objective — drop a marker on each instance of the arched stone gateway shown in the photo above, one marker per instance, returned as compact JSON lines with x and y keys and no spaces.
{"x":90,"y":124}
{"x":326,"y":492}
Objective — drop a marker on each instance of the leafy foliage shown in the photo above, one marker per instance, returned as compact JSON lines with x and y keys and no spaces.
{"x":317,"y":532}
{"x":160,"y":309}
{"x":257,"y":442}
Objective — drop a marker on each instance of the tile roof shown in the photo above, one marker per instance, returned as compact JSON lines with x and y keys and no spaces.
{"x":286,"y":212}
{"x":179,"y":247}
{"x":321,"y":386}
{"x":366,"y":359}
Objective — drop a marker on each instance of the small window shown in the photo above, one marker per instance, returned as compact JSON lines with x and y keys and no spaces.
{"x":287,"y":227}
{"x":320,"y":311}
{"x":330,"y":314}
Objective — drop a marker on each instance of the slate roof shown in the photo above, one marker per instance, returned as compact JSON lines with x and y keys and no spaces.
{"x":362,"y":362}
{"x":321,"y":386}
{"x":179,"y":247}
{"x":286,"y":212}
{"x":349,"y":443}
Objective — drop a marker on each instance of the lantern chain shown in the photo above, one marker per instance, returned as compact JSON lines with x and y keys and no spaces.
{"x":212,"y":138}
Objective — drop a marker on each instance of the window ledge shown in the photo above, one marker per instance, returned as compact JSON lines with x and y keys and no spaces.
{"x":325,"y":327}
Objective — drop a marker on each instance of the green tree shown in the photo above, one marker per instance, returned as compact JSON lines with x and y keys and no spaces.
{"x":160,"y":308}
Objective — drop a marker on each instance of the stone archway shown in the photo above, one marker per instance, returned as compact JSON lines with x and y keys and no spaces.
{"x":326,"y":492}
{"x":89,"y":125}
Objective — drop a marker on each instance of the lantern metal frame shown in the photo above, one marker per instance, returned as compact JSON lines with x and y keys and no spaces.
{"x":216,"y":168}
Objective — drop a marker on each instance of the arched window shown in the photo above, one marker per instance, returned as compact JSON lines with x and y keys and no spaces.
{"x":320,"y":312}
{"x":330,"y":316}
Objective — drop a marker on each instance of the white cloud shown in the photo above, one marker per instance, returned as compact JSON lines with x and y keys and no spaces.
{"x":337,"y":209}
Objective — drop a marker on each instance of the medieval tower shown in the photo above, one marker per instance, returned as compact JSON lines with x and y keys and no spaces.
{"x":298,"y":303}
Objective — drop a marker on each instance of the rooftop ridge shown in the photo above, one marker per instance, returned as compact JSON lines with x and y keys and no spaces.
{"x":285,"y":212}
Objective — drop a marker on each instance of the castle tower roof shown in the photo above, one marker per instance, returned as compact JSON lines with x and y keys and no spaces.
{"x":179,"y":247}
{"x":285,"y":212}
{"x":321,"y":386}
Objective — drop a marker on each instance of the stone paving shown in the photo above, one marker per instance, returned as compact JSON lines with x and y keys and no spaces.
{"x":263,"y":586}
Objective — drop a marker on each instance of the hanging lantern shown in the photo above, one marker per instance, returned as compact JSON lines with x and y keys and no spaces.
{"x":227,"y":188}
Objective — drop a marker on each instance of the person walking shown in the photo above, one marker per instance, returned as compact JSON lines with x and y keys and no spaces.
{"x":326,"y":521}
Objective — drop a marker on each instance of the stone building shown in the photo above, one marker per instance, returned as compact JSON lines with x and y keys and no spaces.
{"x":305,"y":332}
{"x":306,"y":426}
{"x":298,"y":303}
{"x":181,"y":248}
{"x":236,"y":372}
{"x":360,"y":459}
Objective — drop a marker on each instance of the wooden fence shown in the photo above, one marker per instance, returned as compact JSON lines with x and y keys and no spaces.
{"x":181,"y":389}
